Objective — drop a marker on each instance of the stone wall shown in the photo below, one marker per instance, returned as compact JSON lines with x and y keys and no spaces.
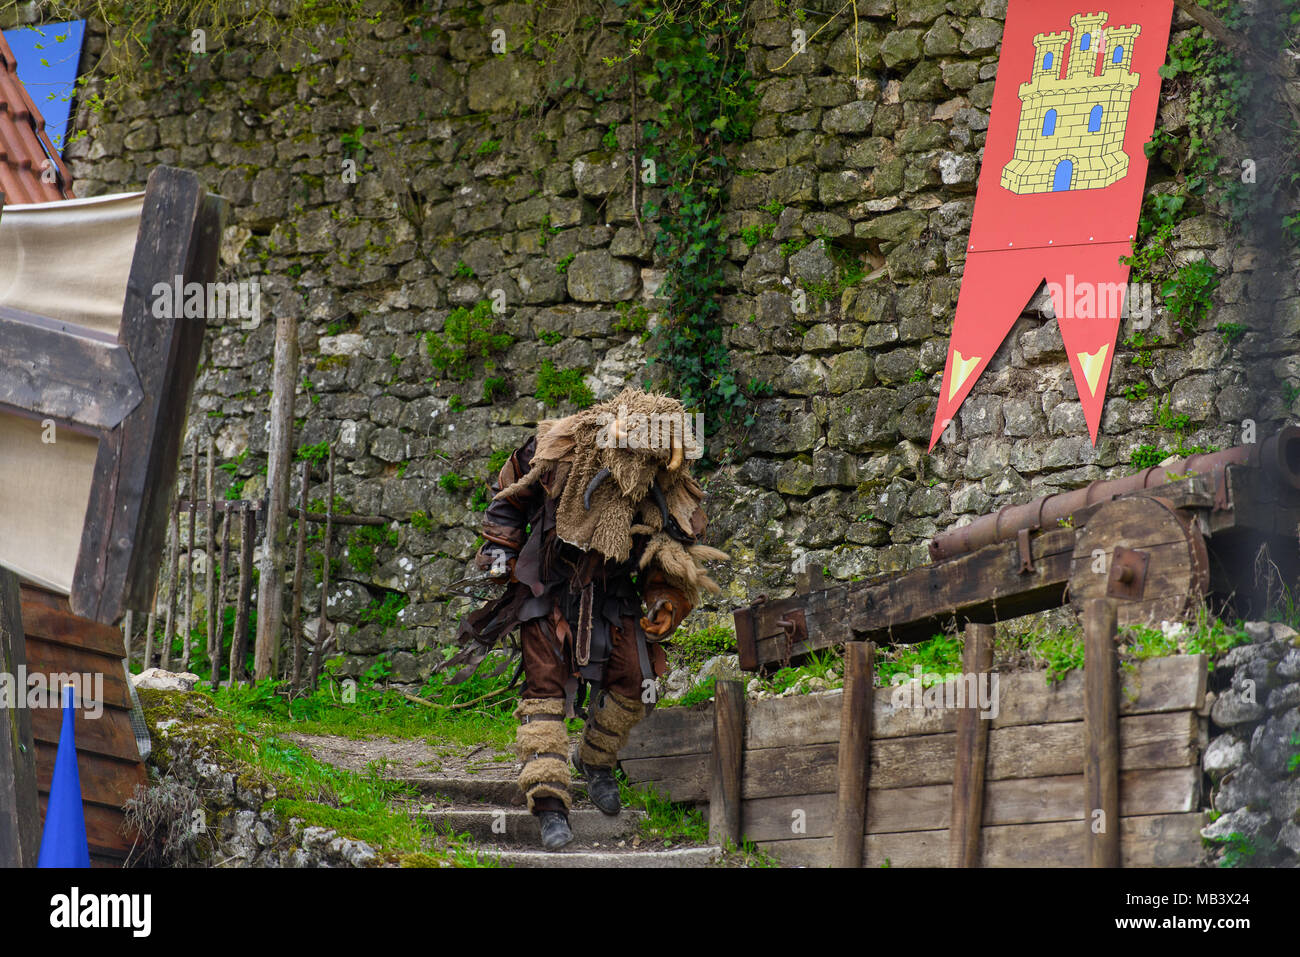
{"x":1254,"y":759}
{"x":470,"y":180}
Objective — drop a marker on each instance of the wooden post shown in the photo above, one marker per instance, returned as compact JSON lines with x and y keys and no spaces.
{"x":728,"y":757}
{"x":19,"y":811}
{"x":150,"y":624}
{"x":239,"y":641}
{"x":128,"y":628}
{"x":189,"y":551}
{"x":323,"y":621}
{"x":172,"y":552}
{"x":270,"y":594}
{"x":210,"y":582}
{"x":299,"y":569}
{"x":972,"y":754}
{"x":1101,"y":734}
{"x":221,"y":601}
{"x":854,"y":754}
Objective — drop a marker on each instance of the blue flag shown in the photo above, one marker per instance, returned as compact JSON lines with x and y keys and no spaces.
{"x":64,"y":842}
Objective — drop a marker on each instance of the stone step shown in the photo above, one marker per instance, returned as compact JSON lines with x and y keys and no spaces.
{"x":584,"y":857}
{"x":511,"y":826}
{"x":463,"y":789}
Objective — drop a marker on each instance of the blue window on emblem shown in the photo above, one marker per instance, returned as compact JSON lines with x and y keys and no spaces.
{"x":1086,"y":42}
{"x":1047,"y":61}
{"x":1118,"y":57}
{"x":1094,"y":120}
{"x":1049,"y":123}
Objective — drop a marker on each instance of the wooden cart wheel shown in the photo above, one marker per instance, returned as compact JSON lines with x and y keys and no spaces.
{"x":1155,"y":566}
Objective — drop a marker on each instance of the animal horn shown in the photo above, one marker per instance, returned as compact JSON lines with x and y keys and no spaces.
{"x":679,"y":454}
{"x":592,"y":486}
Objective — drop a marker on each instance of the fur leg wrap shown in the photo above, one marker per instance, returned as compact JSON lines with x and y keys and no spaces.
{"x":542,"y":744}
{"x":609,"y":723}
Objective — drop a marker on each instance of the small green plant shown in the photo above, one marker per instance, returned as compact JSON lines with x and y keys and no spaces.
{"x":363,"y":543}
{"x":452,"y":482}
{"x":420,"y":521}
{"x":455,"y":403}
{"x":315,"y":454}
{"x":550,"y":337}
{"x":562,"y":267}
{"x":384,"y":613}
{"x":935,"y":657}
{"x":1188,"y":293}
{"x":468,"y":334}
{"x":1063,"y":652}
{"x":462,"y":271}
{"x":487,"y":147}
{"x":494,"y":387}
{"x":1145,"y":457}
{"x":753,"y":235}
{"x":918,"y":375}
{"x":555,"y":386}
{"x":1231,"y":331}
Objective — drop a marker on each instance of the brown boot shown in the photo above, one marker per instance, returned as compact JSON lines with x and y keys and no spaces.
{"x":609,"y":722}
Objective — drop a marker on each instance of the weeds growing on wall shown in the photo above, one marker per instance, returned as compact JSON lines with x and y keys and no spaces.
{"x":690,"y":58}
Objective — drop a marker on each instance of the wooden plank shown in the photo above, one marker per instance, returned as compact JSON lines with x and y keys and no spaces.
{"x":135,"y":468}
{"x":1174,"y":683}
{"x":1101,"y":733}
{"x":110,"y":734}
{"x":1163,"y":840}
{"x":104,"y":780}
{"x":669,"y":731}
{"x":56,"y":370}
{"x":679,"y":777}
{"x":726,"y":763}
{"x":61,"y":627}
{"x":1033,"y":801}
{"x":971,"y":753}
{"x":1146,"y":741}
{"x":19,"y":831}
{"x":984,"y":586}
{"x":105,"y":831}
{"x":854,"y":757}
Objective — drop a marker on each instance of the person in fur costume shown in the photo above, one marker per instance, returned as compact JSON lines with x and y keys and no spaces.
{"x":593,"y":517}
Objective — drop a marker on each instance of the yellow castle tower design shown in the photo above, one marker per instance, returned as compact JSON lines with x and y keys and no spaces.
{"x":1075,"y":108}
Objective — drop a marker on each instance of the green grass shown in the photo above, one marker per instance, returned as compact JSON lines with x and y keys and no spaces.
{"x":664,"y":820}
{"x":381,"y":712}
{"x":937,"y":656}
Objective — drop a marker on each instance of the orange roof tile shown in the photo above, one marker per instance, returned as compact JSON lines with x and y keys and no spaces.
{"x":25,"y":149}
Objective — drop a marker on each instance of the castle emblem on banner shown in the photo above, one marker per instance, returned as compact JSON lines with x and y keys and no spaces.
{"x":1071,"y":133}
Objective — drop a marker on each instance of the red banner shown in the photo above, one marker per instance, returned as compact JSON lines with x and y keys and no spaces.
{"x":1061,"y":186}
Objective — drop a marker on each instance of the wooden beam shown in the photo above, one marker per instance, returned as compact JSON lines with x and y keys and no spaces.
{"x":972,"y":754}
{"x":19,"y":821}
{"x":1101,"y":735}
{"x":854,"y":760}
{"x":270,"y":593}
{"x":726,"y":765}
{"x":985,"y":586}
{"x":61,"y":371}
{"x":135,"y":469}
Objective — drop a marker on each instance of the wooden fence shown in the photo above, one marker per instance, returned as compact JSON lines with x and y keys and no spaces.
{"x":851,"y":779}
{"x":218,"y":525}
